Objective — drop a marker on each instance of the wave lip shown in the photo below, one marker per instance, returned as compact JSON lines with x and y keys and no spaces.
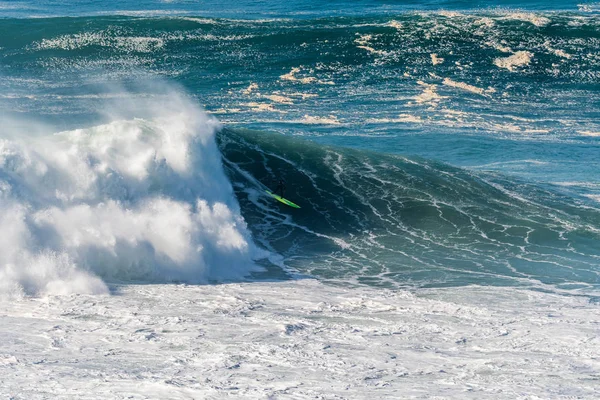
{"x":133,"y":199}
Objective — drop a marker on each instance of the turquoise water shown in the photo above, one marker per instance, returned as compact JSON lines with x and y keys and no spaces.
{"x":428,"y":143}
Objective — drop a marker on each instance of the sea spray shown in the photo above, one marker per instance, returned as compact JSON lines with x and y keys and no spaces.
{"x":136,"y":198}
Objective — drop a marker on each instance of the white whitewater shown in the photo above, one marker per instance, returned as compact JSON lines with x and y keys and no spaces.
{"x":133,"y":199}
{"x":300,"y":340}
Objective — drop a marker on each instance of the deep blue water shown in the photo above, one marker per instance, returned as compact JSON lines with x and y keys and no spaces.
{"x":444,"y":142}
{"x":271,"y":8}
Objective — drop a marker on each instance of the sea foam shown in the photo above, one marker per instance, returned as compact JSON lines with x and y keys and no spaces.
{"x":131,"y":199}
{"x":518,"y":59}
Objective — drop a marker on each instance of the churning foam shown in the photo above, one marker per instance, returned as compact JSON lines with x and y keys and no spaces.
{"x":429,"y":94}
{"x":467,"y":87}
{"x":435,"y":60}
{"x":532,"y":18}
{"x":519,"y":59}
{"x":291,"y":76}
{"x":364,"y":42}
{"x":589,"y":133}
{"x":132,"y":199}
{"x":317,"y":120}
{"x":103,"y":39}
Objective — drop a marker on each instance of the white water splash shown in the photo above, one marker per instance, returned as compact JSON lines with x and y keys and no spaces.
{"x":139,"y":198}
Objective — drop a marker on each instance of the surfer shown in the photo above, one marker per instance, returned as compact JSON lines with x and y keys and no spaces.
{"x":280,"y":190}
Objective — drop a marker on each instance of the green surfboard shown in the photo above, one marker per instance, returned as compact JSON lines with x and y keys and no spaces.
{"x":281,"y":199}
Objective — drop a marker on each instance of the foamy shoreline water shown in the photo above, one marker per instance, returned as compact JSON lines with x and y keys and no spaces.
{"x":302,"y":340}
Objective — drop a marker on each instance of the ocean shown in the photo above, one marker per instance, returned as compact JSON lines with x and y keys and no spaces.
{"x":444,"y":154}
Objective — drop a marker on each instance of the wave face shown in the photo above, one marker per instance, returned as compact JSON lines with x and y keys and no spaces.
{"x":131,"y":199}
{"x":391,"y":220}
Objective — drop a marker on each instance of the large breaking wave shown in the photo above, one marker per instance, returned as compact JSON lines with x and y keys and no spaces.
{"x":130,"y":199}
{"x":392,"y":220}
{"x":146,"y":199}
